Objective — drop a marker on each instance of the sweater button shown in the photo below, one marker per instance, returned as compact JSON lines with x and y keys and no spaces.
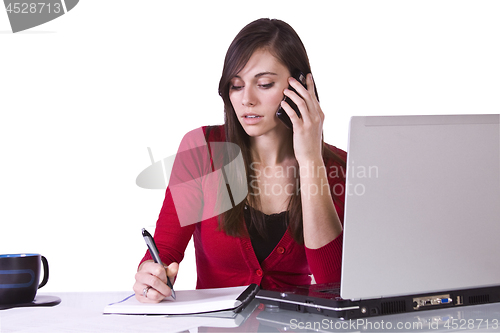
{"x":258,"y":272}
{"x":280,"y":250}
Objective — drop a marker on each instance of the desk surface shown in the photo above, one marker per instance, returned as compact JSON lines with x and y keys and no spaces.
{"x":82,"y":312}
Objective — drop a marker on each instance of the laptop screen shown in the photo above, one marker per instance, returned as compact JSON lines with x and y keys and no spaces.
{"x":422,"y":211}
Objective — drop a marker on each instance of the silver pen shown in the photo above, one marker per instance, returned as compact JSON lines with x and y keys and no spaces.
{"x":153,"y":250}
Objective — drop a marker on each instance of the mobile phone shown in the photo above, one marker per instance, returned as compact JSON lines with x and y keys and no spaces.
{"x":281,"y":114}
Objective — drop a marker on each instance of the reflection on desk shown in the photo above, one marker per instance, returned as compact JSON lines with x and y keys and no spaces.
{"x":82,"y":312}
{"x":468,"y":318}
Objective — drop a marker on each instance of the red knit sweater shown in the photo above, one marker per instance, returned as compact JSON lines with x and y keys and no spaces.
{"x":226,"y":261}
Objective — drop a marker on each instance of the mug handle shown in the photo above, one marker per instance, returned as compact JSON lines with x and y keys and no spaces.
{"x":45,"y":272}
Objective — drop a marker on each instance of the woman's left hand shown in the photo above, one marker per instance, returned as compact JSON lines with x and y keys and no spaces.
{"x":308,"y":129}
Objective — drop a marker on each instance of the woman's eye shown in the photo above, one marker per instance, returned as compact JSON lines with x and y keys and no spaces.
{"x":267,"y":85}
{"x":236,"y":87}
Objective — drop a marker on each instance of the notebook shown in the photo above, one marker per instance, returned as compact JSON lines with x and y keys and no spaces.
{"x":422,"y":219}
{"x":226,"y":301}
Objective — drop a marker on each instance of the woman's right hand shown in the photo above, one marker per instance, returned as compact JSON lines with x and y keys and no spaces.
{"x":151,"y":281}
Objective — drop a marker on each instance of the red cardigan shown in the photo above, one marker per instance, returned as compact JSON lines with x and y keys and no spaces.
{"x":226,"y":261}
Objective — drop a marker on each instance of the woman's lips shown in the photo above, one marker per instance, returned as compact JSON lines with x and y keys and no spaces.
{"x":252,"y":119}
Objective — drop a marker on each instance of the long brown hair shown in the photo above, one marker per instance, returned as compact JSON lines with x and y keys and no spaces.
{"x":278,"y":38}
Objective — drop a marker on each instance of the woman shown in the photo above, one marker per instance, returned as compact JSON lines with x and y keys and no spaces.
{"x":288,"y":227}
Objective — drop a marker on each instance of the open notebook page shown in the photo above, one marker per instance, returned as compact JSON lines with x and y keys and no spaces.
{"x":187,"y":302}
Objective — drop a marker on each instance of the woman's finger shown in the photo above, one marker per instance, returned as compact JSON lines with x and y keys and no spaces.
{"x":172,"y":271}
{"x":310,"y":86}
{"x":147,"y":294}
{"x":154,"y":276}
{"x":294,"y":118}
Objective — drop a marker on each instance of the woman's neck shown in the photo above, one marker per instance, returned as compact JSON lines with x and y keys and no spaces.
{"x":272,"y":148}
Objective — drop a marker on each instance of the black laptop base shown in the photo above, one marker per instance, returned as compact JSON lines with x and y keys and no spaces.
{"x":322,"y":299}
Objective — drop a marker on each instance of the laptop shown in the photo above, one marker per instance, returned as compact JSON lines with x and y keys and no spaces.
{"x":422,"y":219}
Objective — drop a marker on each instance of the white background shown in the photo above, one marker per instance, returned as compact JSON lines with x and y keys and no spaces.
{"x":83,"y":96}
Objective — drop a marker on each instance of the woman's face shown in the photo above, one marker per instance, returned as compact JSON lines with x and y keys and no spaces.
{"x":256,"y":92}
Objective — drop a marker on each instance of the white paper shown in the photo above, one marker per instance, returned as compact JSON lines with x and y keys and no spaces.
{"x":187,"y":302}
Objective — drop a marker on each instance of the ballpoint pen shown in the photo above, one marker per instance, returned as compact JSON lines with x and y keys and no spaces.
{"x":153,"y":250}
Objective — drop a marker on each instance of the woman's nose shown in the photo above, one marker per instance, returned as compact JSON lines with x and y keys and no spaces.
{"x":248,"y":97}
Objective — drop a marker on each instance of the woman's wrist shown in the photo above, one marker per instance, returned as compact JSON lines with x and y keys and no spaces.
{"x":312,"y":168}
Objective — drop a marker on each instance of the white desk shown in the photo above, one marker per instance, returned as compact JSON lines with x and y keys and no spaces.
{"x":82,"y":312}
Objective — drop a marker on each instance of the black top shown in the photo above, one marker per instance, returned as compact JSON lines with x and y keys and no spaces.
{"x":275,"y":227}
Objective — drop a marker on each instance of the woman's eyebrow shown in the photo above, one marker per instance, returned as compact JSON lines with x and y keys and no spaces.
{"x":258,"y":74}
{"x":265,"y":73}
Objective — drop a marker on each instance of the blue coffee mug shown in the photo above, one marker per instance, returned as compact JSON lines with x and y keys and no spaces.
{"x":19,"y":277}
